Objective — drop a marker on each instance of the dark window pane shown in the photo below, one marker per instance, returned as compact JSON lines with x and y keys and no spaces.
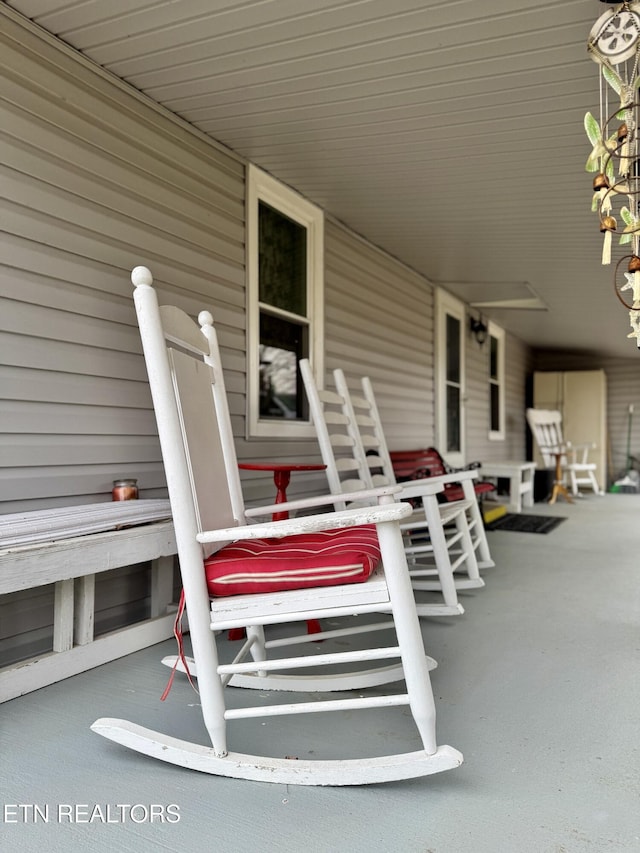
{"x":453,"y":418}
{"x":282,"y":258}
{"x":493,"y":358}
{"x":282,"y":345}
{"x":495,"y":407}
{"x":453,"y":349}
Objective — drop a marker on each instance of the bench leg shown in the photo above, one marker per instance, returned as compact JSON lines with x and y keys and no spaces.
{"x":515,"y":496}
{"x":63,"y":616}
{"x":161,"y":585}
{"x":84,"y":611}
{"x":527,"y":487}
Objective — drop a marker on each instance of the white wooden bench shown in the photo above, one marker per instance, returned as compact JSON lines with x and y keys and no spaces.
{"x":520,"y":477}
{"x":68,"y":547}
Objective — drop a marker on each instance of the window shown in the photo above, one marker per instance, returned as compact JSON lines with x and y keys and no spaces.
{"x":450,"y":378}
{"x":496,"y":383}
{"x":453,"y":381}
{"x":285,"y":247}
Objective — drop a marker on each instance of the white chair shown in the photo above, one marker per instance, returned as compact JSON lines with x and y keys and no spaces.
{"x":373,"y":438}
{"x":465,"y":513}
{"x":218,"y":550}
{"x":348,"y":468}
{"x":567,"y":459}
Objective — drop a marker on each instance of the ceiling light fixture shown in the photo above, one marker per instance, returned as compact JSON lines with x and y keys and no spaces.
{"x":614,"y":44}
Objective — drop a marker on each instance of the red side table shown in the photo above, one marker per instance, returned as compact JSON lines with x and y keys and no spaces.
{"x":281,"y":477}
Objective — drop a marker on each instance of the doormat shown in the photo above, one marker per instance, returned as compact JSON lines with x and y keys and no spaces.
{"x":526,"y":523}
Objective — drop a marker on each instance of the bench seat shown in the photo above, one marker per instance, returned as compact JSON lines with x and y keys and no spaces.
{"x":68,"y":547}
{"x":427,"y":462}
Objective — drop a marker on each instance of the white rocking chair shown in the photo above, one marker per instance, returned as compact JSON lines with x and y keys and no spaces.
{"x":374,"y":440}
{"x":348,"y":468}
{"x":214,"y":539}
{"x":565,"y":458}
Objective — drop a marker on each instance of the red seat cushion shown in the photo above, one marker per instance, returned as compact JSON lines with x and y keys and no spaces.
{"x":327,"y":558}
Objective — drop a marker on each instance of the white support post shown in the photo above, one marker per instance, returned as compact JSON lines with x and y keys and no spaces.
{"x":161,"y":585}
{"x":63,"y":616}
{"x":84,"y":609}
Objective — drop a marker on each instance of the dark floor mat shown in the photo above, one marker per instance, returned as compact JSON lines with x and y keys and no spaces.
{"x":526,"y":523}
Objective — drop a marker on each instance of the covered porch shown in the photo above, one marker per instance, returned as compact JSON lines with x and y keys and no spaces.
{"x":536,"y":685}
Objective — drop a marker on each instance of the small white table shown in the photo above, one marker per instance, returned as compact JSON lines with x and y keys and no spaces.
{"x":520,"y":476}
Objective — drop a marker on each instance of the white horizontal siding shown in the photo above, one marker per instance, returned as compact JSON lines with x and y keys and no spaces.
{"x":126,"y":452}
{"x":623,"y":390}
{"x":380,"y":324}
{"x":93,"y":183}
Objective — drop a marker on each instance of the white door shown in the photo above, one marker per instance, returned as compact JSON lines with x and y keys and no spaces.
{"x":450,"y":378}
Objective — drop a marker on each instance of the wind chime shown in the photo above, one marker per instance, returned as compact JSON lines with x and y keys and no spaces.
{"x":614,"y":44}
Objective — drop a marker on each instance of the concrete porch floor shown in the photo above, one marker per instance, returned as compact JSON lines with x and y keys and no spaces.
{"x":537,"y":684}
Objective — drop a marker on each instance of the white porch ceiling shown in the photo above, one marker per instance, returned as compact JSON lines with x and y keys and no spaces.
{"x":448,"y":133}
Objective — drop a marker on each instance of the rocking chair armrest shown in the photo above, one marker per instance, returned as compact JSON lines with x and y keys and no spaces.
{"x":456,"y":476}
{"x":323,"y":500}
{"x":578,"y":454}
{"x":310,"y":523}
{"x":586,"y":445}
{"x":431,"y":485}
{"x":424,"y":487}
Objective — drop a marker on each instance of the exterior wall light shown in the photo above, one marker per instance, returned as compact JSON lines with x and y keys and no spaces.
{"x":478,"y":329}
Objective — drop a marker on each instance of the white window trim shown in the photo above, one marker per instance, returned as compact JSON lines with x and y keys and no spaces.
{"x":445,"y":304}
{"x":262,"y":187}
{"x":498,"y":333}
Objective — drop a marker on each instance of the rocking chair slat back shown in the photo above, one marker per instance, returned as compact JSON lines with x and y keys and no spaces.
{"x":546,"y":426}
{"x":366,"y":452}
{"x":465,"y":494}
{"x":193,"y":382}
{"x":340,"y":447}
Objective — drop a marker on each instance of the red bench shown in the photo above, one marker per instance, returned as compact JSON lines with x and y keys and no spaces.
{"x":415,"y":464}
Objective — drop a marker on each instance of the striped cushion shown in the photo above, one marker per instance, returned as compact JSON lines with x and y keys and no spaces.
{"x":327,"y":558}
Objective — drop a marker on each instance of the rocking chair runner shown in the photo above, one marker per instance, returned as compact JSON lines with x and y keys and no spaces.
{"x":565,"y":458}
{"x":204,"y":489}
{"x":348,"y":467}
